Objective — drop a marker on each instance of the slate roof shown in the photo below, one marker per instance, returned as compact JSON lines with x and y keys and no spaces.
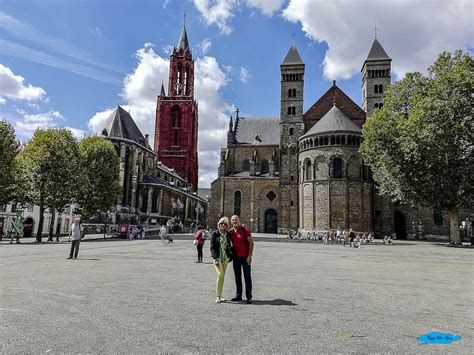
{"x":334,"y":121}
{"x":293,"y":57}
{"x":121,"y":125}
{"x":377,"y":52}
{"x":183,"y":40}
{"x":266,"y":128}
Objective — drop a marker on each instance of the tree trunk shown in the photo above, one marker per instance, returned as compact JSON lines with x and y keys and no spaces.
{"x":39,"y":234}
{"x":454,"y":235}
{"x":52,"y":212}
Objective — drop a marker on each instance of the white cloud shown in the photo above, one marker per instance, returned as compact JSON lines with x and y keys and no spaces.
{"x":268,"y":7}
{"x":244,"y":75}
{"x":205,"y":45}
{"x":26,"y":124}
{"x":96,"y":32}
{"x":142,"y":86}
{"x":168,"y":49}
{"x":412,"y":32}
{"x":217,"y":12}
{"x":220,"y":12}
{"x":78,"y":133}
{"x":13,"y":87}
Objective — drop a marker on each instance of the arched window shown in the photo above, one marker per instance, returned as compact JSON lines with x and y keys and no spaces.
{"x":308,"y":170}
{"x":376,"y":105}
{"x":380,"y":89}
{"x":264,"y":168}
{"x":337,"y":168}
{"x":176,"y":117}
{"x":376,"y":89}
{"x":289,"y":92}
{"x":294,"y":92}
{"x":237,"y":202}
{"x":291,"y":131}
{"x":293,"y":110}
{"x":380,"y":105}
{"x":333,"y":140}
{"x":178,"y":80}
{"x":246,"y":165}
{"x":289,"y":110}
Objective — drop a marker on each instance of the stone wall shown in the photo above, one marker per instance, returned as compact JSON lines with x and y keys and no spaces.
{"x":254,"y":200}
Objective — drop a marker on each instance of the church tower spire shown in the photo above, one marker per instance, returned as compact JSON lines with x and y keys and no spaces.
{"x":376,"y":75}
{"x":176,"y":126}
{"x":291,"y":128}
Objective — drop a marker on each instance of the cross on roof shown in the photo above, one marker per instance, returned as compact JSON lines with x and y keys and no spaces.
{"x":375,"y":31}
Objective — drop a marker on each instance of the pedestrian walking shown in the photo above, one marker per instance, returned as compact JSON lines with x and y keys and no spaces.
{"x":76,"y":233}
{"x":199,"y":237}
{"x":163,"y":234}
{"x":222,"y":253}
{"x":242,"y":243}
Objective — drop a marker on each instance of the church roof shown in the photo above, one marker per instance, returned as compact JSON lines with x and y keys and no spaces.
{"x":293,"y":57}
{"x":121,"y":125}
{"x":183,"y":40}
{"x":334,"y":121}
{"x":325,"y":103}
{"x":377,"y":52}
{"x":258,"y":131}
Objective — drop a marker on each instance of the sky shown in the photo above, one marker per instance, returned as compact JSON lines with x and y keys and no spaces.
{"x":68,"y":63}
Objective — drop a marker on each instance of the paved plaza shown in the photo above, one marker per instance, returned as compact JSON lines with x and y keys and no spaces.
{"x":143,"y":297}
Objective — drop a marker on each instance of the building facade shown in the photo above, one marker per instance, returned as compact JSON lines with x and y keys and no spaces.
{"x":303,"y":171}
{"x":151,"y":193}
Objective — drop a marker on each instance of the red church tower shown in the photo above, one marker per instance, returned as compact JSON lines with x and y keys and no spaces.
{"x":176,"y":126}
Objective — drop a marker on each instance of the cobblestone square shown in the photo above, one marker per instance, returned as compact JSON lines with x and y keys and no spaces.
{"x":143,"y":297}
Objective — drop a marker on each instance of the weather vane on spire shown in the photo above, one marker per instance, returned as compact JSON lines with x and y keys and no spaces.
{"x":375,"y":31}
{"x":293,"y":40}
{"x":184,"y":18}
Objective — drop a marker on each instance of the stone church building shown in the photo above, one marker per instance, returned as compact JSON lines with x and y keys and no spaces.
{"x":302,"y":170}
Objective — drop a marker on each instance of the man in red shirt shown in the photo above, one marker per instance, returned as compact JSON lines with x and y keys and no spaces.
{"x":242,"y":244}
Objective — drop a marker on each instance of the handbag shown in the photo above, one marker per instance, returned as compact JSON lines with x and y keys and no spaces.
{"x":195,"y":242}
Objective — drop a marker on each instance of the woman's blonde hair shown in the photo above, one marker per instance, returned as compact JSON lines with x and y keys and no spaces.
{"x":224,"y":220}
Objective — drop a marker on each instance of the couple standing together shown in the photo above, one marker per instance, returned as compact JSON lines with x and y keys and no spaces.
{"x":232,"y":244}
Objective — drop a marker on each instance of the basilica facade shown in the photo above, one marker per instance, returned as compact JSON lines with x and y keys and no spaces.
{"x":303,"y":171}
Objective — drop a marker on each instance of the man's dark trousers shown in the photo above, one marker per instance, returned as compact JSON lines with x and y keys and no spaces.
{"x":240,"y":262}
{"x":74,"y":248}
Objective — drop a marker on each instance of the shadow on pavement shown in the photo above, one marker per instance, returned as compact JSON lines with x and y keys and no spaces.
{"x":275,"y":302}
{"x":88,"y":259}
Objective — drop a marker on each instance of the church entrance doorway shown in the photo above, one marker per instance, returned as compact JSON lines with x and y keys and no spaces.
{"x":271,"y":221}
{"x":399,"y":225}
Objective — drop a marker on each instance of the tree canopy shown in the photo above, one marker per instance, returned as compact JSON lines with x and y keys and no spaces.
{"x":9,"y":149}
{"x":419,"y":145}
{"x":99,"y":183}
{"x":50,"y":162}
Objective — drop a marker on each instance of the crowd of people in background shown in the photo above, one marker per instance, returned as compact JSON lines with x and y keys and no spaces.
{"x":336,"y":236}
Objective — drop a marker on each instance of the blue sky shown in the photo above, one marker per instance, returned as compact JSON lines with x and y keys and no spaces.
{"x":68,"y":63}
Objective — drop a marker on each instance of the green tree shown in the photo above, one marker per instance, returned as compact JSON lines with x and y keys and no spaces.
{"x":420,"y":144}
{"x":99,"y":183}
{"x":50,"y":162}
{"x":9,"y":149}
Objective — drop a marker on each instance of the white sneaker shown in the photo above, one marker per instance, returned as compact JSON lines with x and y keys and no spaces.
{"x":222,"y":299}
{"x":218,"y":300}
